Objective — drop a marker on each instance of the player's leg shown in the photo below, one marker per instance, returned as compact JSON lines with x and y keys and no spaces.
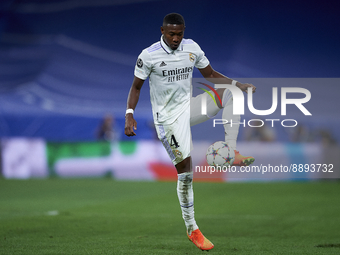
{"x":196,"y":117}
{"x":186,"y":200}
{"x":185,"y":193}
{"x":231,"y":128}
{"x":176,"y":139}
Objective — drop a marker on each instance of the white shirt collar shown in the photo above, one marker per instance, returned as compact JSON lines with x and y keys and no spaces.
{"x":168,"y":49}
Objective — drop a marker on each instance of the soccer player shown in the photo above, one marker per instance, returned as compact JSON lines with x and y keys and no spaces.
{"x":169,"y":64}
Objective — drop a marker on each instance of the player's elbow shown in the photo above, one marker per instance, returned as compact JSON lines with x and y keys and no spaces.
{"x":211,"y":74}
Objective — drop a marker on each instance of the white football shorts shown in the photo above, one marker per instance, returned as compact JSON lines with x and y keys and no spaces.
{"x":176,"y":137}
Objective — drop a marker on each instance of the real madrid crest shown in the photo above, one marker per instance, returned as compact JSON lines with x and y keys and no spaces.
{"x":178,"y":153}
{"x":191,"y":57}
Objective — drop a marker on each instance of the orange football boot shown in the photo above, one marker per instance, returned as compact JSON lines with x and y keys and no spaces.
{"x":200,"y":240}
{"x":241,"y":160}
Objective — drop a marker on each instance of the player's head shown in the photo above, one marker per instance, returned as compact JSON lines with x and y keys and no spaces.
{"x":173,"y":29}
{"x":173,"y":19}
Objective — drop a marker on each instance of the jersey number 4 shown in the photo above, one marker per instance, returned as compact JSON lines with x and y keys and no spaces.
{"x":173,"y":142}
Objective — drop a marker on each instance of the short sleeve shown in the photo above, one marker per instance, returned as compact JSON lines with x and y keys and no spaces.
{"x":143,"y":66}
{"x":201,"y":60}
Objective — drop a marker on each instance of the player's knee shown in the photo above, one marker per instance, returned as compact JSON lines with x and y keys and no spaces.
{"x":220,"y":93}
{"x":226,"y":97}
{"x":184,"y":166}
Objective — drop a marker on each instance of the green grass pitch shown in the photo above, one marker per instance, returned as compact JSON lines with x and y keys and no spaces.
{"x":103,"y":216}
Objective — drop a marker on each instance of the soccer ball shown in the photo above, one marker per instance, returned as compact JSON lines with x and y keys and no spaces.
{"x":220,"y":154}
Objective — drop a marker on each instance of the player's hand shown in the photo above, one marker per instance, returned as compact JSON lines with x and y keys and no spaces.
{"x":244,"y":87}
{"x":130,"y":125}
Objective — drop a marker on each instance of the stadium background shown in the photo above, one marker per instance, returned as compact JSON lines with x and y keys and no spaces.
{"x":65,"y":65}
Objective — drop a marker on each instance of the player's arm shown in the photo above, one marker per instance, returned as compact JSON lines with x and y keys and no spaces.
{"x":215,"y":77}
{"x":133,"y":97}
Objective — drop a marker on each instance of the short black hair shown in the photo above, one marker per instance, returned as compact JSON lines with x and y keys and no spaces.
{"x":173,"y":18}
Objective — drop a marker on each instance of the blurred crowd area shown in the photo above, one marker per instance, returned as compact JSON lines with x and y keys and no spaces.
{"x":111,"y":153}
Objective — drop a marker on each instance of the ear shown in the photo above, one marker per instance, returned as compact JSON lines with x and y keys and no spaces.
{"x":162,"y":30}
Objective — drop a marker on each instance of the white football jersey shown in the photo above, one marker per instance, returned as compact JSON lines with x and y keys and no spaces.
{"x":170,"y":73}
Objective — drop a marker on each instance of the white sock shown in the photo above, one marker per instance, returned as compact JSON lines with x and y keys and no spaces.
{"x":186,"y":200}
{"x":231,"y":128}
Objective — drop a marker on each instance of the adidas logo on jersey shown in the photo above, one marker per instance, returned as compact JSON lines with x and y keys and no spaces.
{"x":162,"y":64}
